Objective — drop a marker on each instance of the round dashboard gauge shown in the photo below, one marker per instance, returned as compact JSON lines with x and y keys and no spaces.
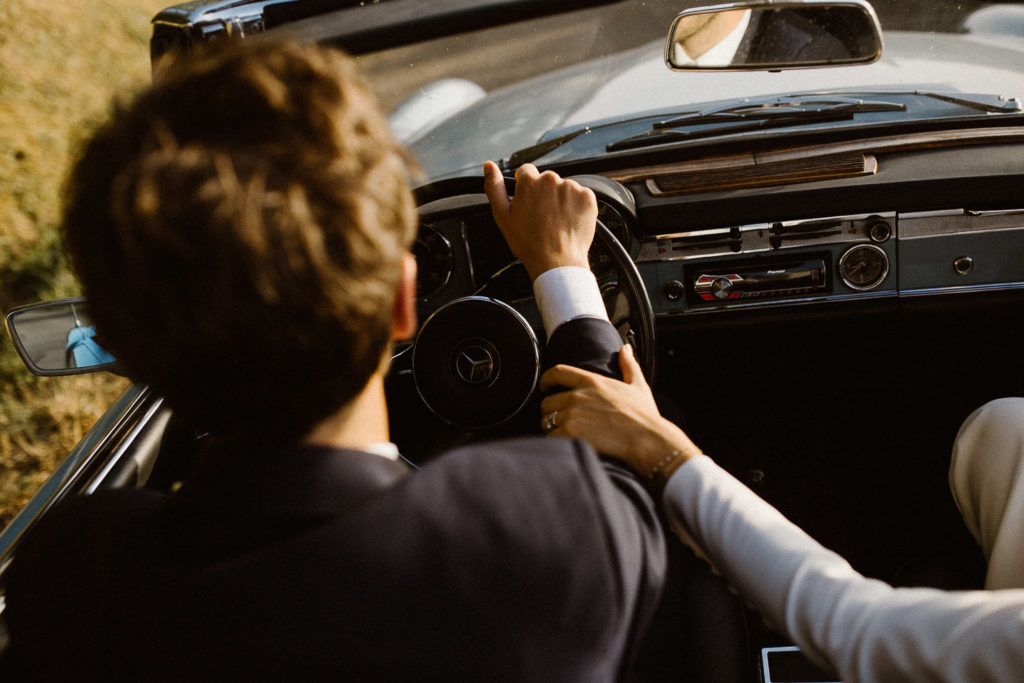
{"x":433,"y":254}
{"x":863,"y":267}
{"x":600,"y":262}
{"x":613,"y":220}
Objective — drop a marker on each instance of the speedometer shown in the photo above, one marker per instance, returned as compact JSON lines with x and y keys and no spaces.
{"x":600,"y":262}
{"x":613,"y":220}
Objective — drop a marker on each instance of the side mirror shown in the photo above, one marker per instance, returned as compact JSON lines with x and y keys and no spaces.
{"x":781,"y":35}
{"x":58,"y":338}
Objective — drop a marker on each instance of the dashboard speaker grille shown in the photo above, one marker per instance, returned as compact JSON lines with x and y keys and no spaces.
{"x":797,"y":170}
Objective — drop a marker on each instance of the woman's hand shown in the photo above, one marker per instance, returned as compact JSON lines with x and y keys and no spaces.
{"x":619,"y":419}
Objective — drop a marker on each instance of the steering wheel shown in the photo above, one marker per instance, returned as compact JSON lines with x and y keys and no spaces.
{"x":476,"y":360}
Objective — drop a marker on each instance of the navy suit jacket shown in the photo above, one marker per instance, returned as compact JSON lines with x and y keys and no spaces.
{"x":529,"y":559}
{"x":788,"y":37}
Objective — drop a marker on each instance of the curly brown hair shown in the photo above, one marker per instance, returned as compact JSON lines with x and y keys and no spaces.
{"x":239,"y":228}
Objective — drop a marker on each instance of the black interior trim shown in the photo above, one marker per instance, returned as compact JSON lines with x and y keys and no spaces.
{"x":402,"y":22}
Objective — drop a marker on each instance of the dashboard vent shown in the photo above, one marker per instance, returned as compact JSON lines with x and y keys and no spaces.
{"x":730,"y":177}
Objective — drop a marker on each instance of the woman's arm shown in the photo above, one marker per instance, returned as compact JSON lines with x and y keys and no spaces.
{"x":862,"y":629}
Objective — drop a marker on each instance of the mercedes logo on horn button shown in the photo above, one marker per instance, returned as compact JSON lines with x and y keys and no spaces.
{"x":475,"y":362}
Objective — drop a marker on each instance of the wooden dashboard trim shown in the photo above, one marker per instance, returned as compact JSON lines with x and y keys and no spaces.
{"x":748,"y":166}
{"x":800,"y":170}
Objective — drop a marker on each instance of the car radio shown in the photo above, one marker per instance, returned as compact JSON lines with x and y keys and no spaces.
{"x":728,"y":282}
{"x":759,"y":281}
{"x":780,"y":262}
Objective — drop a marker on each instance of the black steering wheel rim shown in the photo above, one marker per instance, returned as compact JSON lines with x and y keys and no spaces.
{"x":640,"y":317}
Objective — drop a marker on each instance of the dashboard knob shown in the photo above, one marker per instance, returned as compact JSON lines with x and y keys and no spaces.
{"x":720,"y":287}
{"x":673,"y":290}
{"x":963,"y":265}
{"x":880,"y":232}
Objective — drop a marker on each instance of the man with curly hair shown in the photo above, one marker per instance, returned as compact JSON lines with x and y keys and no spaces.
{"x":242,"y":231}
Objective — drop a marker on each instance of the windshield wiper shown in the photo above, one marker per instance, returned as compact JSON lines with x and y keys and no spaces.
{"x":993,"y":104}
{"x":780,"y":112}
{"x":529,"y":154}
{"x":755,"y":114}
{"x":789,"y":105}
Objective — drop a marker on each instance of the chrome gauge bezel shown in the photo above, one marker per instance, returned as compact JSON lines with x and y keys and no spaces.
{"x":877,"y":279}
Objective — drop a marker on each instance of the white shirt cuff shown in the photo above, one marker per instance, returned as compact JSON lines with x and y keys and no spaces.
{"x":567,"y":293}
{"x":385,"y":449}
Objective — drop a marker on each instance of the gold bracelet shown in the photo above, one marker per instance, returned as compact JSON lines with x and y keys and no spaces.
{"x":657,"y":473}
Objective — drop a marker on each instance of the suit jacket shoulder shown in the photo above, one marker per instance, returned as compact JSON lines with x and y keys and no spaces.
{"x":528,"y":559}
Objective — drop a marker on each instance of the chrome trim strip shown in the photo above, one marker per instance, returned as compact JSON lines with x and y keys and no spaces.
{"x":701,"y":310}
{"x":961,"y":212}
{"x":127,"y":443}
{"x":927,"y":224}
{"x":768,"y":225}
{"x":705,"y":233}
{"x":64,"y":479}
{"x":964,"y":289}
{"x":756,"y":238}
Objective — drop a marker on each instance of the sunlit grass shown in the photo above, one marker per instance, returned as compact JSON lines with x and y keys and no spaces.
{"x":61,"y":62}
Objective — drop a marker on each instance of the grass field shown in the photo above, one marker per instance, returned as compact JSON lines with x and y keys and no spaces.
{"x":61,"y":62}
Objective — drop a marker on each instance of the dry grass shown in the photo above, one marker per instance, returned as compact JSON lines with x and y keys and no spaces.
{"x":53,"y":418}
{"x":61,"y":62}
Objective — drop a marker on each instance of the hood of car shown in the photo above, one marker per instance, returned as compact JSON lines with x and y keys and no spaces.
{"x":631,"y":86}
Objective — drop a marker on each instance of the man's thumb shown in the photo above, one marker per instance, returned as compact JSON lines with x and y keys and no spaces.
{"x":630,"y":367}
{"x":494,"y":188}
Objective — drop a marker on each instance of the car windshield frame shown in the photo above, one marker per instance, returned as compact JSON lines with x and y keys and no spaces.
{"x":595,"y":49}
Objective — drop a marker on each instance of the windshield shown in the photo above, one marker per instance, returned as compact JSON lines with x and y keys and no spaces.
{"x":540,"y":79}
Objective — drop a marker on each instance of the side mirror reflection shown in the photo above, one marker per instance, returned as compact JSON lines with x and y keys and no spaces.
{"x":58,"y":338}
{"x":782,"y":35}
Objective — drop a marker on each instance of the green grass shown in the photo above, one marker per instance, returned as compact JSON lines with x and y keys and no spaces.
{"x":61,"y":63}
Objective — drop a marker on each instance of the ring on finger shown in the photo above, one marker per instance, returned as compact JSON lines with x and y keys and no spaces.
{"x":549,"y":421}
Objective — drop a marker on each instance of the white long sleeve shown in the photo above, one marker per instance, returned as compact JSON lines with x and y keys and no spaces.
{"x":567,"y":293}
{"x":862,"y":629}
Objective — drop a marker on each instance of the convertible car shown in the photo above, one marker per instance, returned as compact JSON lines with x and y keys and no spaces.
{"x":812,"y":231}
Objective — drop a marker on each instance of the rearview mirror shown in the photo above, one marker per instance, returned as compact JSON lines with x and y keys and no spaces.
{"x":57,"y":338}
{"x":782,"y":35}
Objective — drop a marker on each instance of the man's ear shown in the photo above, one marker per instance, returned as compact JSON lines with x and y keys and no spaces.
{"x":403,"y":317}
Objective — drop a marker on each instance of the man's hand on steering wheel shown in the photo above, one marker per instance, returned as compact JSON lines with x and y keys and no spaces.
{"x":549,"y":223}
{"x":476,"y":359}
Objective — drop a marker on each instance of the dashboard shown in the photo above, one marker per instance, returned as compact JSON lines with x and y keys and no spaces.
{"x":905,"y":221}
{"x":834,"y":258}
{"x":815,"y":260}
{"x":822,"y":334}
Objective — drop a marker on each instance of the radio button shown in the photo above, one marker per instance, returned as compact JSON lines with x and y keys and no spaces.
{"x":720,"y":287}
